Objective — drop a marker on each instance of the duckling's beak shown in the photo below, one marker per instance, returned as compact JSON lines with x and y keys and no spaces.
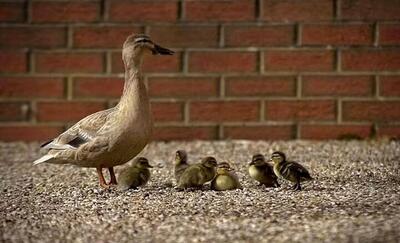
{"x":161,"y":50}
{"x":149,"y":166}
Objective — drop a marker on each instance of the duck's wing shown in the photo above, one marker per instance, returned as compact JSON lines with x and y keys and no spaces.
{"x":83,"y":132}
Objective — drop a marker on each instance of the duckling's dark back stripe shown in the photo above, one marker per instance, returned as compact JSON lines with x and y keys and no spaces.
{"x":258,"y":157}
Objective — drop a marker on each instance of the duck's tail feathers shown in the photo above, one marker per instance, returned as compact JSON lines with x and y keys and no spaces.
{"x":45,"y":158}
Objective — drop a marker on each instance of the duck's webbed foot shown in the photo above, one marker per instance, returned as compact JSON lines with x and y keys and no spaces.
{"x":102,"y":181}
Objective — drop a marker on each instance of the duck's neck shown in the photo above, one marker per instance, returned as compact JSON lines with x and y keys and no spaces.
{"x":134,"y":100}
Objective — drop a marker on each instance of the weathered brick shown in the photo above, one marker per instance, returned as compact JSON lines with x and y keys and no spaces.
{"x":222,"y":61}
{"x":370,"y":9}
{"x":389,"y":85}
{"x":12,"y":12}
{"x":13,"y":61}
{"x":221,"y":111}
{"x":156,"y":63}
{"x":185,"y":35}
{"x":100,"y":87}
{"x":33,"y":36}
{"x":184,"y":133}
{"x":261,"y":86}
{"x":252,"y":35}
{"x":334,"y":131}
{"x":259,"y":132}
{"x":50,"y":11}
{"x":210,"y":10}
{"x":389,"y":34}
{"x":167,"y":111}
{"x":371,"y":60}
{"x":391,"y":131}
{"x":183,"y":87}
{"x":69,"y":62}
{"x":300,"y":110}
{"x":143,"y":11}
{"x":103,"y":36}
{"x":337,"y":34}
{"x":14,"y":111}
{"x":371,"y":110}
{"x":299,"y":60}
{"x":66,"y":111}
{"x":28,"y":133}
{"x":31,"y":87}
{"x":337,"y":85}
{"x":293,"y":10}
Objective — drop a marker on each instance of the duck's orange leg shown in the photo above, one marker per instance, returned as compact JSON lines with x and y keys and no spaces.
{"x":113,"y":179}
{"x":102,"y":181}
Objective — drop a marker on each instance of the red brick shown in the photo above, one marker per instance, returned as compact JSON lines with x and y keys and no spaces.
{"x":334,"y":131}
{"x":298,"y":110}
{"x":337,"y":34}
{"x":67,"y":111}
{"x":370,"y":9}
{"x":391,"y":131}
{"x":12,"y":12}
{"x":337,"y":85}
{"x":185,"y":35}
{"x":156,"y":63}
{"x":259,"y":132}
{"x":143,"y":11}
{"x":210,"y":10}
{"x":13,"y":62}
{"x":222,"y":111}
{"x":371,"y":60}
{"x":167,"y":111}
{"x":47,"y":11}
{"x":69,"y":62}
{"x":276,"y":35}
{"x":389,"y":34}
{"x":183,"y":87}
{"x":371,"y":110}
{"x":28,"y":133}
{"x":262,"y":86}
{"x":222,"y":61}
{"x":184,"y":133}
{"x":14,"y":111}
{"x":98,"y":87}
{"x":102,"y":36}
{"x":389,"y":85}
{"x":31,"y":87}
{"x":298,"y":60}
{"x":33,"y":36}
{"x":294,"y":10}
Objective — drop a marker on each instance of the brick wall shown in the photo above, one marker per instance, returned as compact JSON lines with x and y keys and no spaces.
{"x":244,"y":69}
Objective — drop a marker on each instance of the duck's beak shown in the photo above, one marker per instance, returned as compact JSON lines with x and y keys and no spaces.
{"x":161,"y":50}
{"x":149,"y":166}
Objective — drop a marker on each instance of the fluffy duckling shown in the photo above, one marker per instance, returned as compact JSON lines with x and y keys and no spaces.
{"x":262,"y":171}
{"x":180,"y":163}
{"x":289,"y":170}
{"x":196,"y":175}
{"x":225,"y":179}
{"x":136,"y":175}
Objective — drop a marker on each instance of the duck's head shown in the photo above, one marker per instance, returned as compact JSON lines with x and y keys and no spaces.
{"x":257,"y":160}
{"x":142,"y":163}
{"x":278,"y":157}
{"x":136,"y":45}
{"x":223,"y":168}
{"x":180,"y":157}
{"x":209,"y":162}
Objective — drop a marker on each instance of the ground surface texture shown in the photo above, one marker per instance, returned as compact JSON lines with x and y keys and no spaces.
{"x":355,"y":197}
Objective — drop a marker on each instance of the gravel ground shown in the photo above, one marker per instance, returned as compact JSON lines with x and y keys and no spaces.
{"x":355,"y":198}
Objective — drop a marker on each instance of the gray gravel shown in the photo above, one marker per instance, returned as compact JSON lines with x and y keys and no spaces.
{"x":355,"y":198}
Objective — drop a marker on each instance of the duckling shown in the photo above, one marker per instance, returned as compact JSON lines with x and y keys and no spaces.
{"x":136,"y":175}
{"x":262,"y":171}
{"x":198,"y":174}
{"x":289,"y":170}
{"x":226,"y":178}
{"x":180,"y":163}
